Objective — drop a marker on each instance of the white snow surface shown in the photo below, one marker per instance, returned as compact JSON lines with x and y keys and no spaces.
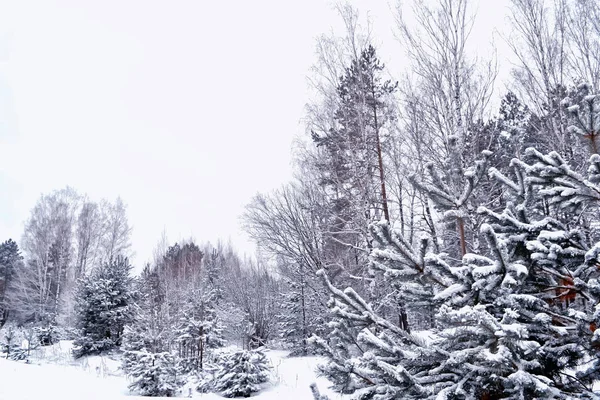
{"x":54,"y":375}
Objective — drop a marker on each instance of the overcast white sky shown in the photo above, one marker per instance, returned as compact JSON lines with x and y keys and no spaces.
{"x":185,"y":109}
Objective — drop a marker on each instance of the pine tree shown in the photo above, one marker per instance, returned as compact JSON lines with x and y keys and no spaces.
{"x":153,"y":374}
{"x":301,"y":316}
{"x":292,"y":321}
{"x":147,"y":361}
{"x":147,"y":329}
{"x":515,"y":320}
{"x":10,"y":260}
{"x":354,"y":145}
{"x":103,"y":307}
{"x":452,"y":192}
{"x":350,"y":163}
{"x":10,"y":343}
{"x":241,"y":373}
{"x":199,"y":329}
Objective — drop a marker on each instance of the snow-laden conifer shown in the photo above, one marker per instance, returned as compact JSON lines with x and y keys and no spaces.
{"x":242,"y":373}
{"x":515,"y":320}
{"x":103,"y":307}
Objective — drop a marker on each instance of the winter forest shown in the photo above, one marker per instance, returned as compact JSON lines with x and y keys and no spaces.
{"x":440,"y":238}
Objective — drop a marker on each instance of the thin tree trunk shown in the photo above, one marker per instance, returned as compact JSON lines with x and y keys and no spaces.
{"x":304,"y":330}
{"x":403,"y":319}
{"x":401,"y":209}
{"x":386,"y":212}
{"x":201,"y":354}
{"x":431,"y":224}
{"x":461,"y":236}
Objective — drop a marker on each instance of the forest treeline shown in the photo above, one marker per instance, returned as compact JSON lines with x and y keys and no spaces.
{"x":440,"y":238}
{"x":71,"y":279}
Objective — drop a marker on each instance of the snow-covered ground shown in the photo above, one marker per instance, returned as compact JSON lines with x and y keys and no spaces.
{"x":54,"y":375}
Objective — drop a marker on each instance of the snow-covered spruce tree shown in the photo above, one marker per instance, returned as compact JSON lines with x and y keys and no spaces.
{"x":517,"y":321}
{"x":301,"y":315}
{"x":103,"y":307}
{"x":10,"y":343}
{"x":147,"y":362}
{"x":10,"y":260}
{"x":199,"y":329}
{"x":154,"y":374}
{"x":241,"y":373}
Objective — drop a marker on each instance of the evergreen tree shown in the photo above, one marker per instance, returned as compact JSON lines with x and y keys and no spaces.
{"x":452,"y":192}
{"x":354,"y":144}
{"x":10,"y":260}
{"x":350,"y":164}
{"x":153,"y":374}
{"x":199,"y":329}
{"x":301,"y":316}
{"x":103,"y":307}
{"x":146,"y":359}
{"x":515,"y":320}
{"x":10,"y":343}
{"x":147,"y":329}
{"x":241,"y":373}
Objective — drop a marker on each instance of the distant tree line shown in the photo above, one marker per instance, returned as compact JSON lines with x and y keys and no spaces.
{"x":71,"y":279}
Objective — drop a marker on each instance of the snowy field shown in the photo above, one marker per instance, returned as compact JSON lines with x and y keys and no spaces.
{"x":54,"y":375}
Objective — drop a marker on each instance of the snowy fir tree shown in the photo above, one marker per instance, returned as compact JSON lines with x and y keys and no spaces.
{"x":241,"y":373}
{"x":199,"y":329}
{"x":147,"y":362}
{"x":293,"y":324}
{"x":103,"y":307}
{"x":516,"y":320}
{"x":153,"y":374}
{"x":301,"y":316}
{"x":10,"y":260}
{"x":10,"y":344}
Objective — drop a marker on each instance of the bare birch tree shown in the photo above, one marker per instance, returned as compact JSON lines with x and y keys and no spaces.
{"x":443,"y":97}
{"x":116,"y":235}
{"x":583,"y":32}
{"x":87,"y":237}
{"x":47,"y":244}
{"x":449,"y":88}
